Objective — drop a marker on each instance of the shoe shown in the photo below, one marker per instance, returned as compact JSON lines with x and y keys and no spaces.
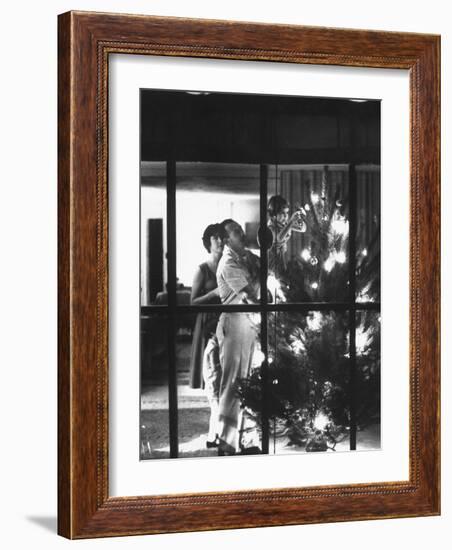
{"x":212,"y":444}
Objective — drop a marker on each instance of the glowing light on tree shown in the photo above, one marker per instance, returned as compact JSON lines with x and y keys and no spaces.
{"x":341,"y":257}
{"x":363,"y":339}
{"x":315,"y":198}
{"x":314,"y":320}
{"x":321,"y":421}
{"x":274,"y":286}
{"x":363,"y":294}
{"x":329,"y":264}
{"x":297,"y":343}
{"x":305,"y":254}
{"x":340,"y":226}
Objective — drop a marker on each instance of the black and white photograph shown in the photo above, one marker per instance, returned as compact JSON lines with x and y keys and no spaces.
{"x":259,"y":274}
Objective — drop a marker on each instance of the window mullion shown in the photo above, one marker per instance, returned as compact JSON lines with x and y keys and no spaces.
{"x":352,"y":299}
{"x":172,"y":298}
{"x":263,"y":302}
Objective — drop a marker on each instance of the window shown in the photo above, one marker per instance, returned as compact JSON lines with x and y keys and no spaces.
{"x":268,"y":333}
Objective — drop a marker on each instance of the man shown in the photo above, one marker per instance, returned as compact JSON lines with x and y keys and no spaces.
{"x":238,"y":283}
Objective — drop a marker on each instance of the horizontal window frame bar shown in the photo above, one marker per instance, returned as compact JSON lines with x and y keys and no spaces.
{"x":294,"y":307}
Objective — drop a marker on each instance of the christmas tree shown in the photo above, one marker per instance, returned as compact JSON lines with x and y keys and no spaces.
{"x":308,"y":363}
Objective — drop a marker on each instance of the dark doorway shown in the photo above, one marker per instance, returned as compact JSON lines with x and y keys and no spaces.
{"x":154,"y":257}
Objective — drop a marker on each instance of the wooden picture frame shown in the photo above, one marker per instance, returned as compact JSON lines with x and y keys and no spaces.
{"x":86,"y":40}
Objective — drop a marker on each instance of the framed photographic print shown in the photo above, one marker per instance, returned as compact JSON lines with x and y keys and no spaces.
{"x":248,"y":275}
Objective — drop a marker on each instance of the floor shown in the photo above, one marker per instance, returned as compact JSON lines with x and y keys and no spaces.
{"x":193,"y":414}
{"x":193,"y":422}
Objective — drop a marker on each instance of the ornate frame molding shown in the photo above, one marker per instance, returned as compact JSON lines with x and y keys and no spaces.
{"x":85,"y":42}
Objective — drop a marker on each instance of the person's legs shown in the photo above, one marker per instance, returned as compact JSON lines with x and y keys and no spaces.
{"x":212,"y":377}
{"x":239,"y":338}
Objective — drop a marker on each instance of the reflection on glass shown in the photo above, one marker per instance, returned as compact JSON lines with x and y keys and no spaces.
{"x":307,"y":400}
{"x":212,"y":377}
{"x":368,"y":234}
{"x":308,"y":230}
{"x":368,"y":380}
{"x":206,"y":195}
{"x":153,"y":272}
{"x":154,"y":417}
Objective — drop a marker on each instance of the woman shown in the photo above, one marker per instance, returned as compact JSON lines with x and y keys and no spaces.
{"x":204,"y":291}
{"x":205,"y":363}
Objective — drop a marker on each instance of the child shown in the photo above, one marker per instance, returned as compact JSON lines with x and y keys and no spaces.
{"x":281,"y":226}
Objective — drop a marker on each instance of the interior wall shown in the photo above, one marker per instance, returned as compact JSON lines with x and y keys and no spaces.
{"x":194,"y":212}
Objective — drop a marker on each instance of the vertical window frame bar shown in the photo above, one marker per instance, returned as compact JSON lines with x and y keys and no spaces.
{"x":352,"y":298}
{"x":263,"y":173}
{"x":172,"y":302}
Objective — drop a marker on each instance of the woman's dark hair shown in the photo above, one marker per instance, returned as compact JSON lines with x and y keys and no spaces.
{"x":276,"y":204}
{"x":212,"y":230}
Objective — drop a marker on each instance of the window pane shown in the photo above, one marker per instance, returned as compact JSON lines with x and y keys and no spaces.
{"x":154,"y":421}
{"x":193,"y":335}
{"x":206,"y":195}
{"x":214,"y":353}
{"x":368,"y":380}
{"x":308,"y":230}
{"x":307,"y":400}
{"x":153,"y":272}
{"x":368,"y":234}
